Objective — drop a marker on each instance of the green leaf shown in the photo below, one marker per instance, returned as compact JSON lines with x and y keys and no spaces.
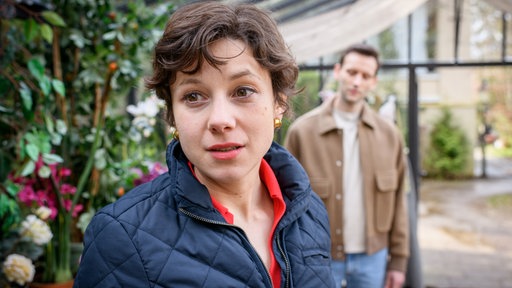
{"x":30,"y":29}
{"x":49,"y":123}
{"x":31,"y":137}
{"x":45,"y":146}
{"x":110,"y":35}
{"x":52,"y":159}
{"x":29,"y":167}
{"x":22,"y":145}
{"x":44,"y":172}
{"x":47,"y":33}
{"x":45,"y":85}
{"x":32,"y":151}
{"x":56,"y":138}
{"x":12,"y":189}
{"x":36,"y":68}
{"x":62,"y":129}
{"x":53,"y":18}
{"x":26,"y":96}
{"x":59,"y":87}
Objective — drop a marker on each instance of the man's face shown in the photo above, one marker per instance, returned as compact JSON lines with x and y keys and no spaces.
{"x":356,"y":77}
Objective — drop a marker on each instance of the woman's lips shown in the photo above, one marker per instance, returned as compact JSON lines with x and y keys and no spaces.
{"x":225,"y":151}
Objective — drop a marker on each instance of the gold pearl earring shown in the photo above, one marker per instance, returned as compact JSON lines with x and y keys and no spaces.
{"x":277,"y":123}
{"x":176,"y":135}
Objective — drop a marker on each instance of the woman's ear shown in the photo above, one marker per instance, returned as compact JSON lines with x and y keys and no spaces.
{"x":278,"y":109}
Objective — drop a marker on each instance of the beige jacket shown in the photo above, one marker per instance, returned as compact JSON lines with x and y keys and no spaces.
{"x":316,"y":142}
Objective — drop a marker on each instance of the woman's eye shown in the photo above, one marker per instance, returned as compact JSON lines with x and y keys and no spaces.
{"x":192,"y":97}
{"x":244,"y":92}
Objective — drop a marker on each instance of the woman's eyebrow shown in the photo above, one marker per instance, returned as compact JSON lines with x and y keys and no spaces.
{"x":244,"y":73}
{"x":189,"y":81}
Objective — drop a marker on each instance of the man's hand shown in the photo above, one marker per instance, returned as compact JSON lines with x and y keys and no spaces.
{"x":394,"y":279}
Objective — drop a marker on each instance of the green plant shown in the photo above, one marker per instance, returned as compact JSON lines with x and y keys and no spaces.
{"x":10,"y":212}
{"x":449,"y":149}
{"x":303,"y":102}
{"x":65,"y":68}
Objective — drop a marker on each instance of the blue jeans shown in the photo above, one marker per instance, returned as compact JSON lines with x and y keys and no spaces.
{"x":360,"y":270}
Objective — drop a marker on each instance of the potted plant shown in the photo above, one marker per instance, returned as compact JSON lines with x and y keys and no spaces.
{"x":66,"y":68}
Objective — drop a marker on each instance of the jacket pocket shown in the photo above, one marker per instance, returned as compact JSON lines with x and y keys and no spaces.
{"x":316,"y":257}
{"x":387,"y":183}
{"x":322,"y":187}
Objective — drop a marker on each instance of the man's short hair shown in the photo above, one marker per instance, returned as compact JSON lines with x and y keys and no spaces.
{"x":361,"y":48}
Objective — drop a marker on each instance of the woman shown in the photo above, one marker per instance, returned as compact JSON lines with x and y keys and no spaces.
{"x":235,"y":209}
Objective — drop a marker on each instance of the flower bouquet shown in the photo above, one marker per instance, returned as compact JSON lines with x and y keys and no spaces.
{"x":45,"y":188}
{"x":21,"y":246}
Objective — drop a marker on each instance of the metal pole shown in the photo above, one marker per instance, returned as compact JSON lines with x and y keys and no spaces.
{"x":504,"y":36}
{"x":413,"y":134}
{"x":457,"y":11}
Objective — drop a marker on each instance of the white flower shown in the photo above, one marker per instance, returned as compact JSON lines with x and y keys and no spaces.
{"x":19,"y":269}
{"x":43,"y":212}
{"x":36,"y":229}
{"x":148,"y":108}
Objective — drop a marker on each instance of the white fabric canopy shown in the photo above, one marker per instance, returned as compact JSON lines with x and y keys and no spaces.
{"x":333,"y":31}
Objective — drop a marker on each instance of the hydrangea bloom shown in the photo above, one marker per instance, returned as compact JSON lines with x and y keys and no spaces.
{"x":36,"y":229}
{"x":19,"y":269}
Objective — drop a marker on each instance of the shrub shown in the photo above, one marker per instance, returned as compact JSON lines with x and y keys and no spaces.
{"x":448,"y":151}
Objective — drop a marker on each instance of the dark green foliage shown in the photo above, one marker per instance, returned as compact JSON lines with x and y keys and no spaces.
{"x":308,"y":98}
{"x":449,"y":149}
{"x":305,"y":101}
{"x":9,"y":208}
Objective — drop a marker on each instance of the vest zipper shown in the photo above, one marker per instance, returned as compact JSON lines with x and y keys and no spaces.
{"x":239,"y":230}
{"x":287,"y":263}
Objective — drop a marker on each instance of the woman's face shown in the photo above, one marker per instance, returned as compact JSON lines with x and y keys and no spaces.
{"x":225,"y":117}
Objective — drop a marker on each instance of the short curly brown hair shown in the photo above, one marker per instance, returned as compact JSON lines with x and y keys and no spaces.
{"x":183,"y":46}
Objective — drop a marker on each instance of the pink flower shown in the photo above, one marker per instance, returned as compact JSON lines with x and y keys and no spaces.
{"x":27,"y":195}
{"x":39,"y":191}
{"x":67,"y":189}
{"x":78,"y":208}
{"x":64,"y":172}
{"x":155,"y":170}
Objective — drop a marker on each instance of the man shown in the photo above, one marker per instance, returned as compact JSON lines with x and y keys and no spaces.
{"x":355,"y":161}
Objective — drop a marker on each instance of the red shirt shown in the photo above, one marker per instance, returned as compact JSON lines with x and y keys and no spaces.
{"x":269,"y":179}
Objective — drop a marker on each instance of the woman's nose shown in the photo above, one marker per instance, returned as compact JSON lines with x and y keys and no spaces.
{"x":221,"y":117}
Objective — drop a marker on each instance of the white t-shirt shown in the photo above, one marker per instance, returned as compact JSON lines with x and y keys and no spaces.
{"x":353,"y":198}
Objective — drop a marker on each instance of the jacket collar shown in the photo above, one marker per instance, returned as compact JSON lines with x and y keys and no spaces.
{"x":189,"y":193}
{"x":194,"y":197}
{"x":327,"y":122}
